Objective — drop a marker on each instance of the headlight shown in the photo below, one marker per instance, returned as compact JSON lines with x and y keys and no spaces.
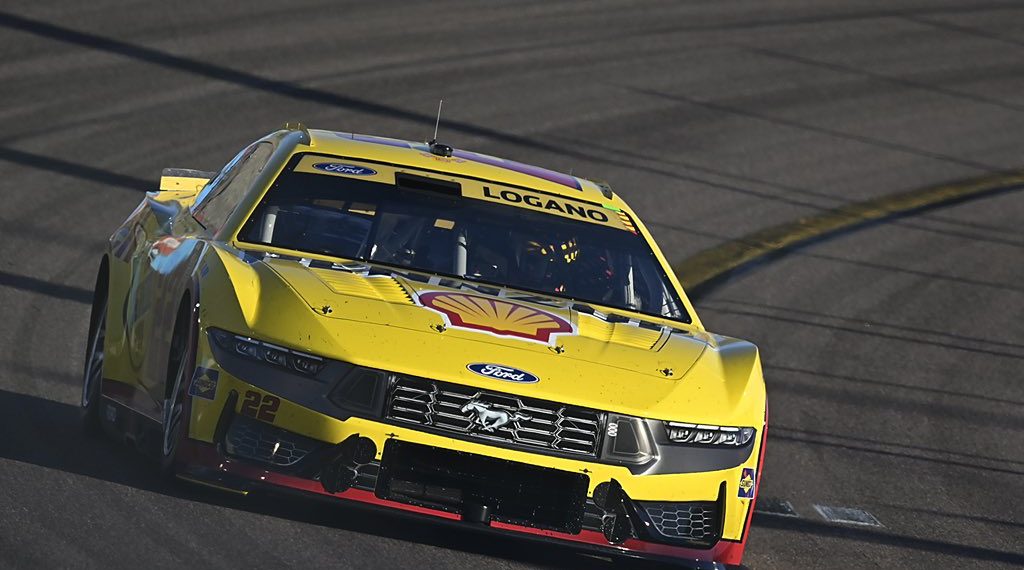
{"x":265,"y":352}
{"x":627,"y":440}
{"x":699,"y":434}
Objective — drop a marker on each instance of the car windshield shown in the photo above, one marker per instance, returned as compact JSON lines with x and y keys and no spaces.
{"x":480,"y":232}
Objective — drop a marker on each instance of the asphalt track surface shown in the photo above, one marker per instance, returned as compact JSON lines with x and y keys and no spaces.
{"x":893,"y":353}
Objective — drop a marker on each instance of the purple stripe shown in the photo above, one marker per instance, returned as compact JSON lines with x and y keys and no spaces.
{"x":549,"y":175}
{"x":536,"y":171}
{"x":382,"y":140}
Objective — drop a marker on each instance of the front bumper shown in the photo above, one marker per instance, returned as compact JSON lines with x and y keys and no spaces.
{"x":203,"y":464}
{"x":695,"y":517}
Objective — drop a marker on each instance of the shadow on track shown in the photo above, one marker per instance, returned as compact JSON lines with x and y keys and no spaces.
{"x":56,"y":290}
{"x":875,"y":448}
{"x":768,"y":310}
{"x":47,"y":433}
{"x":878,"y":537}
{"x":909,"y":403}
{"x":792,"y":124}
{"x":73,"y":169}
{"x":959,"y":516}
{"x":851,"y":329}
{"x":299,"y":92}
{"x":885,"y":384}
{"x":246,"y":79}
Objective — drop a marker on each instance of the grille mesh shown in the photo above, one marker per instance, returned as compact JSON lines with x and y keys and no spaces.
{"x":263,"y":442}
{"x":686,"y":521}
{"x":534,"y":424}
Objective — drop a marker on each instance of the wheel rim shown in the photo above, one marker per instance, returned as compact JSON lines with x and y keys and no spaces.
{"x":94,"y":366}
{"x":173,"y":407}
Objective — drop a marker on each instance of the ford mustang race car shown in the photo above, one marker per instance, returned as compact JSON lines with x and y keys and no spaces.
{"x":429,"y":330}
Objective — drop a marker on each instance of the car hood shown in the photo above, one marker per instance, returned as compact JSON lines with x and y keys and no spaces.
{"x":439,"y":328}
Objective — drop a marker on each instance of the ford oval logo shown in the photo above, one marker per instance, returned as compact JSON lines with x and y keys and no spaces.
{"x":506,"y":373}
{"x":339,"y":168}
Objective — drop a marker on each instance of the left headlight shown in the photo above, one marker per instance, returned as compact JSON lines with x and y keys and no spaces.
{"x":700,"y":434}
{"x":253,"y":349}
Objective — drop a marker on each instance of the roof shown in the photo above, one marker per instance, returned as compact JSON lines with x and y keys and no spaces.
{"x":462,"y":163}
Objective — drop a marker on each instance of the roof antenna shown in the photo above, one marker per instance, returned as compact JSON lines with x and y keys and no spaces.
{"x":436,"y":147}
{"x":437,"y":123}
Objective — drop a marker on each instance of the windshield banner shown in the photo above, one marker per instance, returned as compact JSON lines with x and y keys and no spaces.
{"x":546,"y":203}
{"x":550,"y":204}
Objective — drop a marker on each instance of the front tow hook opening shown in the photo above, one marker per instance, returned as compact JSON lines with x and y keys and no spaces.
{"x":341,"y":464}
{"x":619,"y":520}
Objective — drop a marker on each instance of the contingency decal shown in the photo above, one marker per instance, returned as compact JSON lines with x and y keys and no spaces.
{"x":496,"y":316}
{"x":204,"y":384}
{"x":747,"y":482}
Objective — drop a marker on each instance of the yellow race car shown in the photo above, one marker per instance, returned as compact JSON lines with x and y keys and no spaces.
{"x":433,"y":331}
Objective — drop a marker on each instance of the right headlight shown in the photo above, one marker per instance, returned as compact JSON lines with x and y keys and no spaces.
{"x":700,"y":434}
{"x":637,"y":442}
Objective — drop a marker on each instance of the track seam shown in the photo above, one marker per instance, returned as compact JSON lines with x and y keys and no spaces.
{"x":706,"y":269}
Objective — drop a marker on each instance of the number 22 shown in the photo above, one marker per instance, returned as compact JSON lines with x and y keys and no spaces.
{"x":265,"y":410}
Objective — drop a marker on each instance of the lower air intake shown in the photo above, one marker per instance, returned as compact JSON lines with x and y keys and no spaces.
{"x":692,"y":522}
{"x":265,"y":443}
{"x":482,"y":488}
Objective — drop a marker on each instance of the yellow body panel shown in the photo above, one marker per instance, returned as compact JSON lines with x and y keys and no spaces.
{"x":614,"y":367}
{"x":647,"y":367}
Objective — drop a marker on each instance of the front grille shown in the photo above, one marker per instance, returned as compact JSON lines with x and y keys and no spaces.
{"x":263,"y":442}
{"x":697,"y":522}
{"x":532,"y":423}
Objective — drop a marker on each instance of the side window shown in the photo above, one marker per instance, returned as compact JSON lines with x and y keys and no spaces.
{"x":220,"y":197}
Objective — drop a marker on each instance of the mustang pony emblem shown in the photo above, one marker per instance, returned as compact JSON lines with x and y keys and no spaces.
{"x":489,"y":419}
{"x":496,"y":316}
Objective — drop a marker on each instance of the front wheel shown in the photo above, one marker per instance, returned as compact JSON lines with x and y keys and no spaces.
{"x":92,"y":376}
{"x":180,"y":364}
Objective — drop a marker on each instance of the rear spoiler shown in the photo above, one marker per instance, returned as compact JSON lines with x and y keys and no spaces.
{"x":184,"y":179}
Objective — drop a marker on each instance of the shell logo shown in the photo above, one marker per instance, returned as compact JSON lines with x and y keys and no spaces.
{"x":496,"y":316}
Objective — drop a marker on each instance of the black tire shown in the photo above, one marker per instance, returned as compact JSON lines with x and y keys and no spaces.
{"x":180,"y":365}
{"x":92,"y":375}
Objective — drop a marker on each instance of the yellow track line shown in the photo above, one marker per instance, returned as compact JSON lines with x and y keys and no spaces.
{"x":700,"y":269}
